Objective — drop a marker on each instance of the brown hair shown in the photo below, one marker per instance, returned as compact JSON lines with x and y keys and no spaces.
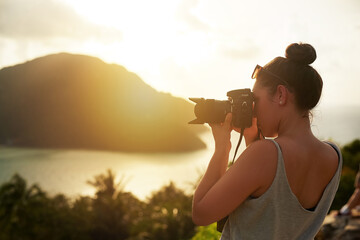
{"x":295,"y":70}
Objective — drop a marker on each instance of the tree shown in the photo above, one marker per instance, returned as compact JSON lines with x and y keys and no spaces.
{"x":109,"y":212}
{"x":351,"y":161}
{"x":207,"y":233}
{"x":27,"y":213}
{"x":168,"y":214}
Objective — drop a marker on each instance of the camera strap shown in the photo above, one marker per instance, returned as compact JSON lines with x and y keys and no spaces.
{"x":238,"y":144}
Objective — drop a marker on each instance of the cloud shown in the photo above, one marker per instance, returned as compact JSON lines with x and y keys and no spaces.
{"x":246,"y":51}
{"x":185,"y":14}
{"x":39,"y":19}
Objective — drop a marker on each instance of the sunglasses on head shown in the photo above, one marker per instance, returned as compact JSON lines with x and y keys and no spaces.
{"x":259,"y":69}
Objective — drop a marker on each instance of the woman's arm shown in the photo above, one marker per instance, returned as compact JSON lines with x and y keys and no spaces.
{"x":218,"y":163}
{"x":221,"y":191}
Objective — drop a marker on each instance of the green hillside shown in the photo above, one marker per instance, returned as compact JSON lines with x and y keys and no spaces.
{"x":76,"y":101}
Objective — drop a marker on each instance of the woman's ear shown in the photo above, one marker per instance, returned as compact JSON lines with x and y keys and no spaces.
{"x":281,"y":96}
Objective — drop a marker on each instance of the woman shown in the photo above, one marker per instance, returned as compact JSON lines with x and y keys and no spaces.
{"x":282,"y":187}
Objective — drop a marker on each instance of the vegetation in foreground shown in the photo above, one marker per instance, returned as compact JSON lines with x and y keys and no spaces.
{"x":28,"y":212}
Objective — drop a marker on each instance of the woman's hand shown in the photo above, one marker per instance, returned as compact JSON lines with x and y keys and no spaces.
{"x":251,"y":134}
{"x":221,"y":133}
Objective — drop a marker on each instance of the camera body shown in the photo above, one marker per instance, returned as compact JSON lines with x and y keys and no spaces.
{"x":239,"y":103}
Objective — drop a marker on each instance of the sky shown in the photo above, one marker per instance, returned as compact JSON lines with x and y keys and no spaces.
{"x":191,"y":48}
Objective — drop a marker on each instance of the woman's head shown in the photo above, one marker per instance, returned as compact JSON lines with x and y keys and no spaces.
{"x":296,"y":74}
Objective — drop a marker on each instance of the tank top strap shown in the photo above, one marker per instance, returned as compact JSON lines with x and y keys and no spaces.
{"x":338,"y":151}
{"x":280,"y":156}
{"x":280,"y":176}
{"x":277,"y":145}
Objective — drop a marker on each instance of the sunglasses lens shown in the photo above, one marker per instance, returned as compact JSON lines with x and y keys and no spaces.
{"x":256,"y":72}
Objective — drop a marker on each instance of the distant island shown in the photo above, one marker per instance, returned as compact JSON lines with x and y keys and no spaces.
{"x":75,"y":101}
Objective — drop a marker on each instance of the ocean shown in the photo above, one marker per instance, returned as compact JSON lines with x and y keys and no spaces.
{"x":67,"y":171}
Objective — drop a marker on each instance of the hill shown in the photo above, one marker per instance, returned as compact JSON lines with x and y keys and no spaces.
{"x":75,"y":101}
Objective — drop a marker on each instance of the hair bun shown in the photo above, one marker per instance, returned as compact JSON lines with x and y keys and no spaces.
{"x":301,"y":53}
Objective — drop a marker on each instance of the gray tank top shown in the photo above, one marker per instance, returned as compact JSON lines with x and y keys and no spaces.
{"x":277,"y":214}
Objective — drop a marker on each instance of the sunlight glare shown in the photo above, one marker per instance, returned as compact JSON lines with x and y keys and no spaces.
{"x":152,"y":35}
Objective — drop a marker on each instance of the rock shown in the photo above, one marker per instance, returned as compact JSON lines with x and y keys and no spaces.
{"x":340,"y":227}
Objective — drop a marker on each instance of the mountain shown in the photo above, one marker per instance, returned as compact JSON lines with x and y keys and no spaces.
{"x":75,"y":101}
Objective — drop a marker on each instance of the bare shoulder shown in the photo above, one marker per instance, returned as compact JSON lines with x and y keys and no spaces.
{"x":331,"y":148}
{"x":331,"y":156}
{"x":258,"y":163}
{"x":260,"y":156}
{"x":261,"y":149}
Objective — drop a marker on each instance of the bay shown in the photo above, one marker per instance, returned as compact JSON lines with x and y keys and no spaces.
{"x":67,"y":171}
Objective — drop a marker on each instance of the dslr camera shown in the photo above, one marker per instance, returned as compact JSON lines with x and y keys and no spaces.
{"x":239,"y":103}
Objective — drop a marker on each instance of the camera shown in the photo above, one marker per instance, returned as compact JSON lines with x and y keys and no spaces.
{"x":239,"y":103}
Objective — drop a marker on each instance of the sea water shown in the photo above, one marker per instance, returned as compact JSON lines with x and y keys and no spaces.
{"x":67,"y":171}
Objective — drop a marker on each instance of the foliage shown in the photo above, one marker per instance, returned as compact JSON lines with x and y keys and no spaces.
{"x":351,"y":155}
{"x":170,"y":213}
{"x":351,"y":161}
{"x":207,"y":233}
{"x":29,"y":213}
